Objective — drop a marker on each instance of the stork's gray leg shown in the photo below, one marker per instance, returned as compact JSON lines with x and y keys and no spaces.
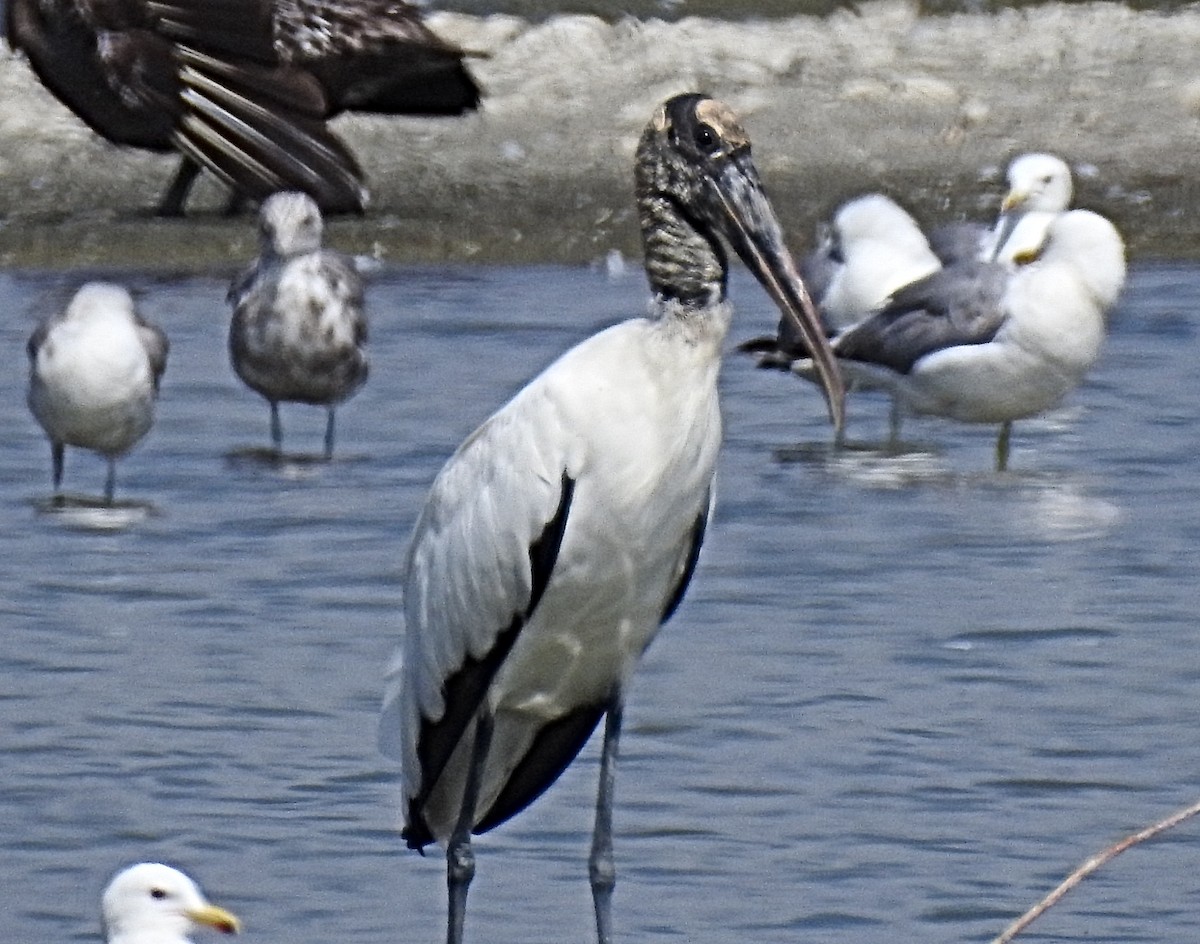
{"x":276,"y":428}
{"x":110,"y":482}
{"x":601,"y":869}
{"x":1002,"y":446}
{"x":460,"y":857}
{"x":329,"y":434}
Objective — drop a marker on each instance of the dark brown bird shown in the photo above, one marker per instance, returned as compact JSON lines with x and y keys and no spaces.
{"x":243,"y":88}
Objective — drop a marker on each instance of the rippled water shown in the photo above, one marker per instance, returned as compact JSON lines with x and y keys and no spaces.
{"x":903,"y":698}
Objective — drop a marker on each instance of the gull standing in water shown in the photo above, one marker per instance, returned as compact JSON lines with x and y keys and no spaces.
{"x":94,"y":372}
{"x":298,"y":331}
{"x":983,"y":343}
{"x":150,"y":903}
{"x":564,"y":531}
{"x":882,"y":250}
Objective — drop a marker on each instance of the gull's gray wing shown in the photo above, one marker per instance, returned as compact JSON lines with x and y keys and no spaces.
{"x":959,"y":305}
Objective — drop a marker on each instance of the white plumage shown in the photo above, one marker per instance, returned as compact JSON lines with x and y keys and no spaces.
{"x":298,"y":331}
{"x":876,"y":247}
{"x":631,"y":418}
{"x":1039,"y":189}
{"x":94,"y":372}
{"x":151,"y":903}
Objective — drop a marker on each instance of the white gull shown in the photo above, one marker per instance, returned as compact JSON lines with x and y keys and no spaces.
{"x":94,"y":371}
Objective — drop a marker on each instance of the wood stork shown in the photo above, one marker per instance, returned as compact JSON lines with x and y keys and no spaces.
{"x":151,"y":903}
{"x":94,"y":371}
{"x":243,"y":88}
{"x":982,"y":343}
{"x":298,"y":331}
{"x":563,"y":532}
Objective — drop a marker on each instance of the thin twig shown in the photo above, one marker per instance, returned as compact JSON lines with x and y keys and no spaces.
{"x":1090,"y":866}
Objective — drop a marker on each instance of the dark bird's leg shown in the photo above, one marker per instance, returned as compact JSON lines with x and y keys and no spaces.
{"x":276,"y":429}
{"x":460,"y":857}
{"x":57,"y":451}
{"x":601,"y":869}
{"x":110,"y":481}
{"x":329,"y":435}
{"x":176,"y":195}
{"x":1002,"y":446}
{"x":236,"y":203}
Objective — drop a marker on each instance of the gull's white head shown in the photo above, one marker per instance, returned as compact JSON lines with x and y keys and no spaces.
{"x":100,"y":300}
{"x":289,"y":224}
{"x":1038,"y":183}
{"x":150,"y":903}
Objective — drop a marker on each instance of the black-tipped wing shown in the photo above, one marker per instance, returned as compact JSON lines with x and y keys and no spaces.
{"x":482,"y":555}
{"x":463,"y":692}
{"x":688,"y":561}
{"x":157,"y":347}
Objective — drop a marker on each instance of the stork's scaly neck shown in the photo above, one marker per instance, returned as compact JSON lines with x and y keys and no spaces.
{"x":683,"y":262}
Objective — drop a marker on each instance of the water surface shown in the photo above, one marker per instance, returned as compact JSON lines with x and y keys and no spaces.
{"x":904,"y":696}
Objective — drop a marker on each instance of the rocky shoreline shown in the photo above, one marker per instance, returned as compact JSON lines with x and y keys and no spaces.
{"x":928,"y":109}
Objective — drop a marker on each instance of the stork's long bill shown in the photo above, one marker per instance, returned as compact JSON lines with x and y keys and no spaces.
{"x":755,"y":234}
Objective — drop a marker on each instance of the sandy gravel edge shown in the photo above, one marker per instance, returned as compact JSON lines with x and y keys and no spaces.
{"x":927,"y":109}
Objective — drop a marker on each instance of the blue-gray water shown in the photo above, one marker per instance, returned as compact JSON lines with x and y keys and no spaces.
{"x":903,"y":697}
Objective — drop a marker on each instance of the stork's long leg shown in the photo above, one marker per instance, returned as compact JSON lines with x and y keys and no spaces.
{"x":460,"y":857}
{"x":601,"y":869}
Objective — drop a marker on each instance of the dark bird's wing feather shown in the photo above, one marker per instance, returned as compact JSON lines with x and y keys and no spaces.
{"x":376,"y":56}
{"x":260,"y":149}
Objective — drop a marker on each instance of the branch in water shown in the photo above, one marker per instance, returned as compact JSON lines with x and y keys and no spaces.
{"x":1090,"y":866}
